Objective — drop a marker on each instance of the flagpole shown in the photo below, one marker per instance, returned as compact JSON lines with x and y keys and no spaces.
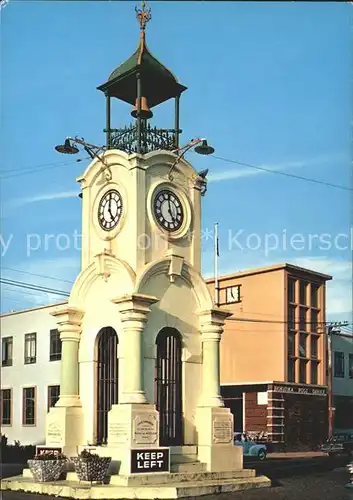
{"x":216,"y":255}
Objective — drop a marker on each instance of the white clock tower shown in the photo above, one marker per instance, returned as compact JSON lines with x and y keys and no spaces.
{"x":140,"y":333}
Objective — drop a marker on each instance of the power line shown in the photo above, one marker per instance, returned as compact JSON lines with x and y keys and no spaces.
{"x":286,"y":174}
{"x":46,"y":167}
{"x":31,"y":286}
{"x":37,"y":275}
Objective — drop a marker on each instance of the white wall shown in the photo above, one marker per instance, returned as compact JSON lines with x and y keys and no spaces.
{"x":40,"y":374}
{"x":342,"y":386}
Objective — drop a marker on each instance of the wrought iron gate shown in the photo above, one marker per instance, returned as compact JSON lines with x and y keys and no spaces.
{"x":169,"y":387}
{"x":107,"y":379}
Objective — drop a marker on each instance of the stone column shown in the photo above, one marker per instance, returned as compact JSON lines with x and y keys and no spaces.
{"x":133,"y":310}
{"x":214,"y":422}
{"x":133,"y":422}
{"x":69,"y":326}
{"x":65,"y":421}
{"x":211,"y":328}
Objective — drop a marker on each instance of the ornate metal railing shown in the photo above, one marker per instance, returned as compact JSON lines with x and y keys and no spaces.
{"x":152,"y":139}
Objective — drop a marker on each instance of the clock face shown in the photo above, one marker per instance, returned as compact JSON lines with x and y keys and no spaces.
{"x":233,"y":294}
{"x":168,"y":210}
{"x":110,"y":210}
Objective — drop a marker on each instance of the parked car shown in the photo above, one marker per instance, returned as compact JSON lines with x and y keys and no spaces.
{"x":250,"y":447}
{"x":338,"y":444}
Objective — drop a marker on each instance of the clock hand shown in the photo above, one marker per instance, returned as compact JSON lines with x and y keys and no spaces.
{"x":170,"y":210}
{"x":110,"y":208}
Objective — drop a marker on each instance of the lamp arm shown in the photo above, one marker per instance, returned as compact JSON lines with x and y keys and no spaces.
{"x":185,"y":149}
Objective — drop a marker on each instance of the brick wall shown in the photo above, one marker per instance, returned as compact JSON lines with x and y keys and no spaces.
{"x":255,"y":414}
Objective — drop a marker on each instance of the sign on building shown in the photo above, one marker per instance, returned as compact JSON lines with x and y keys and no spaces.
{"x":145,"y":461}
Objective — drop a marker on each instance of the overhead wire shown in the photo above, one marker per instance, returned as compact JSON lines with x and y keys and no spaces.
{"x":31,"y":286}
{"x":286,"y":174}
{"x":35,"y":274}
{"x":46,"y":167}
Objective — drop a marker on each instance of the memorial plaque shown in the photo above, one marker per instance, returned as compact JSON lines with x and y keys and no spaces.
{"x":118,"y":432}
{"x":150,"y":461}
{"x":145,"y":429}
{"x":222,"y":430}
{"x":54,"y":433}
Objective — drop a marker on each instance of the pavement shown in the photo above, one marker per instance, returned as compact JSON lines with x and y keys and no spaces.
{"x":327,"y":485}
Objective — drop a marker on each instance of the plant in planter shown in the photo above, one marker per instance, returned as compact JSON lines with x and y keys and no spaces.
{"x":47,"y":466}
{"x":90,"y":466}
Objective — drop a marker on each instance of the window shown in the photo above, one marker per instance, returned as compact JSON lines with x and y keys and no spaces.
{"x":313,"y":372}
{"x":313,"y":347}
{"x":29,"y":406}
{"x":55,"y":346}
{"x":291,"y":344}
{"x":291,"y":290}
{"x":291,"y":317}
{"x":30,"y":348}
{"x":339,"y":364}
{"x":302,"y":345}
{"x":302,"y":293}
{"x":302,"y":371}
{"x":314,"y":321}
{"x":302,"y":319}
{"x":291,"y":370}
{"x":233,"y":294}
{"x":314,"y":299}
{"x":53,"y":395}
{"x":350,"y":366}
{"x":6,"y":406}
{"x":6,"y":359}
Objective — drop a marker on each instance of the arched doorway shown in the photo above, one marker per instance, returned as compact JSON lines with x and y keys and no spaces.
{"x":107,"y":379}
{"x":169,"y":387}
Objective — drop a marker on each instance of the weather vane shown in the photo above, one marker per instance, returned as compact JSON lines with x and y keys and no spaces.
{"x":143,"y":15}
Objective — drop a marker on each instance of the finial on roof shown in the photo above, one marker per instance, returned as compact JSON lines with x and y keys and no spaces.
{"x":143,"y":15}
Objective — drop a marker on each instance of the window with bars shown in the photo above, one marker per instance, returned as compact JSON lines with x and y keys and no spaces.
{"x":6,"y":351}
{"x":313,"y":346}
{"x":6,"y":407}
{"x":53,"y":395}
{"x":55,"y":346}
{"x":29,"y":406}
{"x":339,"y":364}
{"x":30,"y":348}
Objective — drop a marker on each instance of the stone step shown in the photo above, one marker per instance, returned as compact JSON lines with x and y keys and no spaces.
{"x":181,"y":459}
{"x":188,"y":467}
{"x":178,"y":477}
{"x":70,"y":489}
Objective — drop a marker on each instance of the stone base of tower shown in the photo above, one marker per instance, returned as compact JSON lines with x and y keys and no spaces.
{"x":131,"y":426}
{"x":65,"y":429}
{"x":143,"y":487}
{"x":215,"y":439}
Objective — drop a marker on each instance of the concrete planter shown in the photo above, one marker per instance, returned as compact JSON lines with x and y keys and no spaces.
{"x":91,"y":469}
{"x":46,"y":470}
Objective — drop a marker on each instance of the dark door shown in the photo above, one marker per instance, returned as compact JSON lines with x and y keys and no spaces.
{"x":107,"y":379}
{"x":169,"y":387}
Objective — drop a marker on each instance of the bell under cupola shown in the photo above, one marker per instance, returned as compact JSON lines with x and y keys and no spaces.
{"x":144,"y":83}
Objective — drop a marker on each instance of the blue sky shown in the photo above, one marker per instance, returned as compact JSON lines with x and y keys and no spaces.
{"x":269,"y":84}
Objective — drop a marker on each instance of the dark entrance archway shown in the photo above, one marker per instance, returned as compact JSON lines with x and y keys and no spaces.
{"x":107,"y":379}
{"x":169,"y":387}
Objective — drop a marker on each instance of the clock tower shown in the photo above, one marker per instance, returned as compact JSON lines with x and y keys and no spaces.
{"x":140,"y":333}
